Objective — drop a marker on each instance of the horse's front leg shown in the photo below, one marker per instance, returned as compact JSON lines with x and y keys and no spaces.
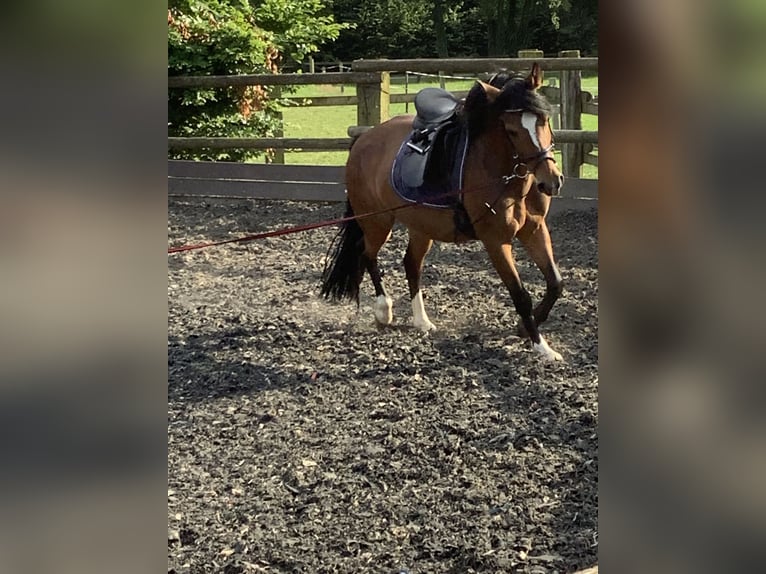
{"x":417,"y":249}
{"x":536,"y":238}
{"x":501,"y":256}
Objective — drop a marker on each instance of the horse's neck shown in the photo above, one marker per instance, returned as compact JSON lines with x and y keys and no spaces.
{"x":492,"y":152}
{"x":491,"y":156}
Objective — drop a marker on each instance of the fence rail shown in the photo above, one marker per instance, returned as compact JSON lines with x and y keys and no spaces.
{"x":372,"y":99}
{"x":259,"y":143}
{"x":306,"y":183}
{"x":552,"y":93}
{"x":474,"y":65}
{"x":256,"y":181}
{"x":272,"y":80}
{"x":562,"y":136}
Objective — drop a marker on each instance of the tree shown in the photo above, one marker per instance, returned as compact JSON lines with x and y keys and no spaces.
{"x":298,"y":27}
{"x":510,"y":22}
{"x":226,"y":37}
{"x":383,"y":29}
{"x":579,"y":27}
{"x":470,"y":28}
{"x":441,"y":36}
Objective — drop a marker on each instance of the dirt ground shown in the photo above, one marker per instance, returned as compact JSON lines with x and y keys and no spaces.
{"x":302,"y":438}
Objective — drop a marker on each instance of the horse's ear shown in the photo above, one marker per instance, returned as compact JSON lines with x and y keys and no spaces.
{"x":480,"y":96}
{"x":476,"y":98}
{"x":491,"y":92}
{"x":535,"y":77}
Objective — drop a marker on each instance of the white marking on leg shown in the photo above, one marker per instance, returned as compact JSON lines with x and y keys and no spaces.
{"x":547,"y":353}
{"x":383,"y":308}
{"x":419,"y":316}
{"x":529,"y":121}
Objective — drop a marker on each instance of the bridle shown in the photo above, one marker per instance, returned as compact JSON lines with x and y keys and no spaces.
{"x":522,"y":162}
{"x":521,"y":170}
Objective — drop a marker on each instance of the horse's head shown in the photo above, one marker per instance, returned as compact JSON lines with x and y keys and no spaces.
{"x":513,"y":104}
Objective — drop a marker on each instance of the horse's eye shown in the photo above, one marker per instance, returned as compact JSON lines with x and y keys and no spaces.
{"x":513,"y":133}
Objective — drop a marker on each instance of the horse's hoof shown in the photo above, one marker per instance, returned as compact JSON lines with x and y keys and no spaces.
{"x":425,"y":326}
{"x":554,"y":357}
{"x":547,"y":353}
{"x":521,"y":331}
{"x":383,"y":309}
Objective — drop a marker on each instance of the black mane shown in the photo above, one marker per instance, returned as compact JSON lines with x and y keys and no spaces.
{"x":477,"y":113}
{"x":516,"y":95}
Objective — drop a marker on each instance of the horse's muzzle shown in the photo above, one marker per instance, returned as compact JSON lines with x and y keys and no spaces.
{"x":552,"y":188}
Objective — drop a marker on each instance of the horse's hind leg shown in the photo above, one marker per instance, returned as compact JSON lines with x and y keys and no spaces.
{"x":417,"y":249}
{"x":502,"y":259}
{"x":383,"y":306}
{"x":374,"y":238}
{"x":537,"y":241}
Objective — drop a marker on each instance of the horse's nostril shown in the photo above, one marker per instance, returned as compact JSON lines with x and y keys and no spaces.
{"x":546,"y":188}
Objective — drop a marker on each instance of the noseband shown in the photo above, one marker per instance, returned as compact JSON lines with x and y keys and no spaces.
{"x":521,"y":169}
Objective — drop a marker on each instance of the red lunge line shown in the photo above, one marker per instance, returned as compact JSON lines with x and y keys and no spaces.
{"x":309,"y":226}
{"x":285,"y":231}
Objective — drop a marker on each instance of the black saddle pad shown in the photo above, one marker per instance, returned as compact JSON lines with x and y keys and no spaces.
{"x":436,"y":179}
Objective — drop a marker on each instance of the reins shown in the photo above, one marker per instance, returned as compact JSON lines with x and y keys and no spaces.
{"x":540,"y":156}
{"x":507,"y":179}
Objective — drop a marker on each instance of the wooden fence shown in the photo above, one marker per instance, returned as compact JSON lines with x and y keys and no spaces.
{"x":256,"y":180}
{"x":306,"y":183}
{"x":372,"y":99}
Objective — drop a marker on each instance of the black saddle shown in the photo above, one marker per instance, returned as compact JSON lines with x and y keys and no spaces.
{"x":431,"y":149}
{"x":429,"y":166}
{"x":436,"y":113}
{"x":434,"y":106}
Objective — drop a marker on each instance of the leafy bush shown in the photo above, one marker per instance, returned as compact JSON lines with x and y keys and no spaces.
{"x":228,"y":37}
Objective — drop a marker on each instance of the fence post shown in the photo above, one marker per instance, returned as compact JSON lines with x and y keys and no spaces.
{"x":531,"y":54}
{"x":373,"y":100}
{"x":571,"y":110}
{"x":277,"y":155}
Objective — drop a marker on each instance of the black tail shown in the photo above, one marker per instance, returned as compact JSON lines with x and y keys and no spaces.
{"x":343,"y":270}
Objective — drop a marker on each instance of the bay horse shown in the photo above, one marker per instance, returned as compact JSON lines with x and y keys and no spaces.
{"x":509,"y":176}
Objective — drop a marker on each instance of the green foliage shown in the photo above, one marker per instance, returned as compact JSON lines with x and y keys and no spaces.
{"x":473,"y":28}
{"x":384,"y":28}
{"x":579,"y":27}
{"x":216,"y":37}
{"x":227,"y":37}
{"x":298,"y":26}
{"x":547,"y":25}
{"x":513,"y":24}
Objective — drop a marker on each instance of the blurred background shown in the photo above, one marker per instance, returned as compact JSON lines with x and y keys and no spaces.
{"x":83,"y":283}
{"x":681,"y":356}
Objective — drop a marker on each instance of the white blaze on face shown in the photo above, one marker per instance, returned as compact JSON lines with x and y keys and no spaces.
{"x":529,"y":121}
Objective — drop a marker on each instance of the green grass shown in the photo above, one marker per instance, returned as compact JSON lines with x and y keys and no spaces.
{"x":333,"y":121}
